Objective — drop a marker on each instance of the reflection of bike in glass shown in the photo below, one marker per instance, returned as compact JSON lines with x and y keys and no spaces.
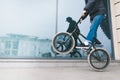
{"x":75,"y":53}
{"x":64,"y":43}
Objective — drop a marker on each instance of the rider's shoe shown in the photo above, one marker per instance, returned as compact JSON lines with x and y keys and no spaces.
{"x":87,"y":43}
{"x":97,"y":41}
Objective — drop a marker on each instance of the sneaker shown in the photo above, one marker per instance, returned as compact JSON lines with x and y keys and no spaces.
{"x":97,"y":41}
{"x":87,"y":43}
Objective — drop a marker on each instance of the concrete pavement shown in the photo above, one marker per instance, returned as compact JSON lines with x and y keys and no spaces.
{"x":55,"y":70}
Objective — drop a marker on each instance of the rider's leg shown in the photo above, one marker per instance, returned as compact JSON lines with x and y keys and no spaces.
{"x":94,"y":26}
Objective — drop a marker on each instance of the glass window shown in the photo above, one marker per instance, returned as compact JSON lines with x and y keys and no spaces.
{"x":33,"y":23}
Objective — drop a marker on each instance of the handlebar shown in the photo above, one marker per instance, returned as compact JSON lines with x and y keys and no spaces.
{"x":81,"y":18}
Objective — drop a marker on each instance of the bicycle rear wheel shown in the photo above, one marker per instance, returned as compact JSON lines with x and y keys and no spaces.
{"x":63,"y":43}
{"x":99,"y":59}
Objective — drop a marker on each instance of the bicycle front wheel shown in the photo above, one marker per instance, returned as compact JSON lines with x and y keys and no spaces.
{"x":99,"y":59}
{"x":63,"y":43}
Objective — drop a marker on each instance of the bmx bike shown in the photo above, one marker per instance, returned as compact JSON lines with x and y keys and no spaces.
{"x":64,"y":43}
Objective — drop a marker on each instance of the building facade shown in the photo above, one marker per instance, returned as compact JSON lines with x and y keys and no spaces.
{"x":115,"y":19}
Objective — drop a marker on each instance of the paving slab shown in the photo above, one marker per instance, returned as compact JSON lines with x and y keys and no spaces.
{"x":34,"y":71}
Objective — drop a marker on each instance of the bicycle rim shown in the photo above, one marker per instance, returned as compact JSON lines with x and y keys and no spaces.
{"x":63,"y":43}
{"x":99,"y":59}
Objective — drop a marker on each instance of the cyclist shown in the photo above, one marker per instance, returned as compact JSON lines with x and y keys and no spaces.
{"x":96,"y":10}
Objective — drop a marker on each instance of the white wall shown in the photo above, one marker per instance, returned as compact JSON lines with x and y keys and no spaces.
{"x":115,"y":14}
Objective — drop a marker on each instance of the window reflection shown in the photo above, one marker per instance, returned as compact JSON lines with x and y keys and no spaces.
{"x":28,"y":26}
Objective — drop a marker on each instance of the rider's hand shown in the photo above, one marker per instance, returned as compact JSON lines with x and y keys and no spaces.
{"x":83,"y":13}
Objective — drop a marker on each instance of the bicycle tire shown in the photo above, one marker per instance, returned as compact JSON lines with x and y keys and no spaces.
{"x":63,"y":43}
{"x":98,"y":59}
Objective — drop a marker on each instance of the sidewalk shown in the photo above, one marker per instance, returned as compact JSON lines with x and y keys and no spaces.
{"x":56,"y":70}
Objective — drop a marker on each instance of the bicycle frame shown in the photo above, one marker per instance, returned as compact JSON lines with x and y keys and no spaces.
{"x":82,"y":44}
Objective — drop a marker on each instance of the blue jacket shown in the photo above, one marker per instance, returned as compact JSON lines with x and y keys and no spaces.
{"x":94,"y":7}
